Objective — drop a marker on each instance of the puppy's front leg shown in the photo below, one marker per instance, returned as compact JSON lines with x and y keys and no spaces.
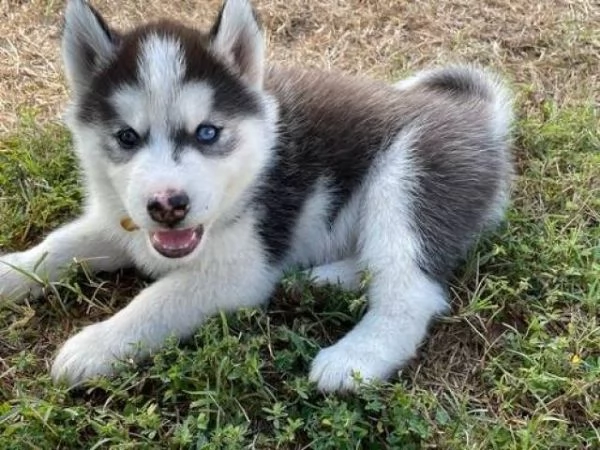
{"x":88,"y":238}
{"x":175,"y":305}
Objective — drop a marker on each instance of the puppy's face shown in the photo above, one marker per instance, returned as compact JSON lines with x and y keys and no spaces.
{"x":176,"y":119}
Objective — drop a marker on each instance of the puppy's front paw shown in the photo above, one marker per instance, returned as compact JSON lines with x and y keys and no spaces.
{"x":343,"y":366}
{"x":15,"y":281}
{"x":88,"y":354}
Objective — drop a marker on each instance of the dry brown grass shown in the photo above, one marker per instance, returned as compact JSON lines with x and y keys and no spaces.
{"x":552,"y":45}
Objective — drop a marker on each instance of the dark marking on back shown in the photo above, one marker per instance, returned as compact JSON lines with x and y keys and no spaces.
{"x":330,"y":127}
{"x":335,"y":127}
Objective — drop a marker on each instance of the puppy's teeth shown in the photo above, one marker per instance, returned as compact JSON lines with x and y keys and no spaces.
{"x":128,"y":224}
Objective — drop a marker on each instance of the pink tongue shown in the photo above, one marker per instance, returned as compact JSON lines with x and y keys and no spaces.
{"x":174,"y":238}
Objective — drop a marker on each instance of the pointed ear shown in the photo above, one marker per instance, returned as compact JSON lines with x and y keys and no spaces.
{"x":87,"y":43}
{"x":237,"y":37}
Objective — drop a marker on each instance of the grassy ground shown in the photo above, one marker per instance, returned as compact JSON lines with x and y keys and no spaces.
{"x":516,"y":365}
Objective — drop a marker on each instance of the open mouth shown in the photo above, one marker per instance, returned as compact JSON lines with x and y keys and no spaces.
{"x":176,"y":243}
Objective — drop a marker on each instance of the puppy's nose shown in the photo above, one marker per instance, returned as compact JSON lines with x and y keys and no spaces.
{"x":168,"y":207}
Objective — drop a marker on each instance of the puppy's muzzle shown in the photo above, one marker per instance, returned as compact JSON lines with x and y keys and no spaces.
{"x":168,"y":207}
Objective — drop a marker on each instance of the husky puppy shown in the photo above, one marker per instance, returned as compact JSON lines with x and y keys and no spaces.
{"x":233,"y":172}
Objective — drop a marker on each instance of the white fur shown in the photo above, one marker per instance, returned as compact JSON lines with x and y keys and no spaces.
{"x":402,"y":300}
{"x":231,"y":275}
{"x":163,"y":102}
{"x":81,"y":25}
{"x":161,"y":68}
{"x":87,"y":240}
{"x":193,"y":105}
{"x":344,"y":273}
{"x":314,"y":243}
{"x":239,"y":29}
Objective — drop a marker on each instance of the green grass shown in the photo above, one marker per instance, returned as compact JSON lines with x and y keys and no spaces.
{"x":515,"y":366}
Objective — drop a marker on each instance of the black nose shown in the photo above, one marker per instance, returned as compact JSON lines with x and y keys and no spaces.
{"x":169,"y":207}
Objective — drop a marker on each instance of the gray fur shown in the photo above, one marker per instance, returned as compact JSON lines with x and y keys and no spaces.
{"x":335,"y":126}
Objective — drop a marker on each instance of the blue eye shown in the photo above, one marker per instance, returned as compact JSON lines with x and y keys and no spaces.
{"x":207,"y":134}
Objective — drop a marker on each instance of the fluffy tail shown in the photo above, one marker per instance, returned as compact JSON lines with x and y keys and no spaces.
{"x":469,"y":82}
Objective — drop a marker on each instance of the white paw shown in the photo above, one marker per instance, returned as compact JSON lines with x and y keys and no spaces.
{"x":343,"y":367}
{"x":344,"y":273}
{"x":15,"y":281}
{"x":88,"y":354}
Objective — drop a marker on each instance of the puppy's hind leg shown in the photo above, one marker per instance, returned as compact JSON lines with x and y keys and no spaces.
{"x":402,"y":301}
{"x":402,"y":298}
